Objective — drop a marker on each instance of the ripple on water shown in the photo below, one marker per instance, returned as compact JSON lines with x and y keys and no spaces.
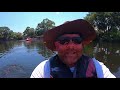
{"x":13,"y":71}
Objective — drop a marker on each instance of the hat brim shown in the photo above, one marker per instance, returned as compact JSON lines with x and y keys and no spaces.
{"x":79,"y":26}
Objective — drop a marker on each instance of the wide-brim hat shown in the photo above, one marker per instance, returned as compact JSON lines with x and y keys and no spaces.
{"x":79,"y":26}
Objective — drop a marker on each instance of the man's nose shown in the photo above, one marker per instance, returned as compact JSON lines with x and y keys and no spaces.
{"x":71,"y":44}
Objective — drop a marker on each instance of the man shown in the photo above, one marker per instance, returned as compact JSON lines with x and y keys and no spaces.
{"x":68,"y":40}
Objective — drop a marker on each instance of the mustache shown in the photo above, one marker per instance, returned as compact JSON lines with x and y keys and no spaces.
{"x":72,"y":50}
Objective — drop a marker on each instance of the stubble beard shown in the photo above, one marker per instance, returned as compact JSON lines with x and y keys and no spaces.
{"x":70,"y":57}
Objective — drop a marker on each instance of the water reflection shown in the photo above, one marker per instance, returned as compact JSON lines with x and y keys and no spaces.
{"x":5,"y":47}
{"x":38,"y":45}
{"x":108,"y":53}
{"x":19,"y":58}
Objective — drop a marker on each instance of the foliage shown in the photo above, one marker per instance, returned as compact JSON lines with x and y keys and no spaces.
{"x":7,"y":34}
{"x":45,"y":25}
{"x":29,"y":32}
{"x":107,"y":24}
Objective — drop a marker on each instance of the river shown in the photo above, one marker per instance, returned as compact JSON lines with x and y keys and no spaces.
{"x":19,"y":58}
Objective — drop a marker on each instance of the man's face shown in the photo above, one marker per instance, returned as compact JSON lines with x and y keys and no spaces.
{"x":70,"y":48}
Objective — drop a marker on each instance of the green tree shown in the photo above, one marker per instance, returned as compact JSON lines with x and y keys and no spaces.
{"x":11,"y":35}
{"x":29,"y":32}
{"x":105,"y":23}
{"x":4,"y":33}
{"x":17,"y":36}
{"x":45,"y":25}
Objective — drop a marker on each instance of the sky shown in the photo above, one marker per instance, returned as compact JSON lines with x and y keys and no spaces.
{"x":18,"y":21}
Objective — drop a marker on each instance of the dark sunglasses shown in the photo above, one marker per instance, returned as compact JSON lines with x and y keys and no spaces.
{"x":66,"y":40}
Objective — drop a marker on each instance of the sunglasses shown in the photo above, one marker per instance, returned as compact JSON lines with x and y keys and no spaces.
{"x":66,"y":40}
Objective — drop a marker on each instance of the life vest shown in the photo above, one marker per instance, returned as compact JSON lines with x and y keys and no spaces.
{"x":84,"y":68}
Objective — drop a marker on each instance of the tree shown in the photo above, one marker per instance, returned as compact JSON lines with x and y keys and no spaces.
{"x":29,"y":32}
{"x":105,"y":22}
{"x":4,"y":33}
{"x":45,"y":25}
{"x":18,"y":36}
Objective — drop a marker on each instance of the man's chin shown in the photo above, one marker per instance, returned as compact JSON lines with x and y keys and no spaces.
{"x":70,"y":60}
{"x":70,"y":57}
